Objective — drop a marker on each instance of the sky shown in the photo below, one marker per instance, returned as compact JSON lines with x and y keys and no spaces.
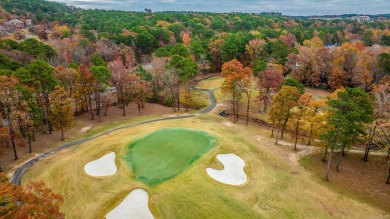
{"x":287,"y":7}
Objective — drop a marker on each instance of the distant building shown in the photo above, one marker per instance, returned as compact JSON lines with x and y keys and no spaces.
{"x":361,"y":18}
{"x":15,"y":24}
{"x":3,"y":31}
{"x":28,"y":22}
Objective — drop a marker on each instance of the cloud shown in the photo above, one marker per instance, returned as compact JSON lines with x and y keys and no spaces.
{"x":288,"y":7}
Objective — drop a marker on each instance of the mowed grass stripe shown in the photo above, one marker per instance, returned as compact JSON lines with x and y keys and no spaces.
{"x":165,"y":153}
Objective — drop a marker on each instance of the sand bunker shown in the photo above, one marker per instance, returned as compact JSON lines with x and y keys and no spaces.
{"x":104,"y":166}
{"x":233,"y":171}
{"x":135,"y":205}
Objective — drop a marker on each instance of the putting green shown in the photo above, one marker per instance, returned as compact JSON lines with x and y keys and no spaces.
{"x":165,"y":153}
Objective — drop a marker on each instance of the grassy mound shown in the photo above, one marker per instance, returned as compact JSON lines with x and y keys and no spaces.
{"x":165,"y":153}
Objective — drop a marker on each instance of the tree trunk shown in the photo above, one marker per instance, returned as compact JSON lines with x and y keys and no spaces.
{"x":123,"y":104}
{"x":311,"y":132}
{"x":296,"y":135}
{"x":325,"y":153}
{"x":139,"y":109}
{"x":62,"y":134}
{"x":50,"y":126}
{"x":75,"y":96}
{"x":86,"y":102}
{"x":90,"y":106}
{"x":1,"y":169}
{"x":366,"y":152}
{"x":343,"y":151}
{"x":97,"y":103}
{"x":388,"y":177}
{"x":247,"y":110}
{"x":328,"y":166}
{"x":330,"y":157}
{"x":14,"y":147}
{"x":339,"y":160}
{"x":33,"y":133}
{"x":29,"y":144}
{"x":42,"y":127}
{"x":283,"y":127}
{"x":273,"y":126}
{"x":234,"y":111}
{"x":370,"y":137}
{"x":277,"y":136}
{"x":178,"y":98}
{"x":388,"y":153}
{"x":105,"y":113}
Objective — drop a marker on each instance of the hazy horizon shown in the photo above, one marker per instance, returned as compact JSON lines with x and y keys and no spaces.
{"x":294,"y":7}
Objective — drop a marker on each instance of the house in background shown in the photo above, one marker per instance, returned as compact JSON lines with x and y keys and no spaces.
{"x":15,"y":24}
{"x":361,"y":18}
{"x":3,"y":31}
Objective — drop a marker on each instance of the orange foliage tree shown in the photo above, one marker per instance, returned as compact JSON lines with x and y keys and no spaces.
{"x":234,"y":73}
{"x":35,"y":200}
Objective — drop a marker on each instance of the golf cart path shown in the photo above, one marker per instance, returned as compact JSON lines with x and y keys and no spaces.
{"x":17,"y":176}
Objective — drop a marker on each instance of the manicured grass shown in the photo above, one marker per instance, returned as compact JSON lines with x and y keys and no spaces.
{"x":276,"y":187}
{"x":211,"y":83}
{"x":165,"y":153}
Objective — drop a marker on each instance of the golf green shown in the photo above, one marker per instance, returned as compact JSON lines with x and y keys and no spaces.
{"x":165,"y":153}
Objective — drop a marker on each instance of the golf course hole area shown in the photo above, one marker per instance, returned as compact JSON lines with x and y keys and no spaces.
{"x":165,"y":153}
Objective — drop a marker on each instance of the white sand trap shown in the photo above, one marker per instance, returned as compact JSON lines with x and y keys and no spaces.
{"x":85,"y":129}
{"x":104,"y":166}
{"x":135,"y":205}
{"x":233,"y":171}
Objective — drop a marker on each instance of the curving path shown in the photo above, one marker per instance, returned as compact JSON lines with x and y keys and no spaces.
{"x":16,"y":178}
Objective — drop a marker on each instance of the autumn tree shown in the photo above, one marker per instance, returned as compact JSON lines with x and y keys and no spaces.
{"x":314,"y":43}
{"x":250,"y":85}
{"x":255,"y":49}
{"x":304,"y":66}
{"x":34,"y":200}
{"x":234,"y":73}
{"x":119,"y":76}
{"x":215,"y":50}
{"x":315,"y":119}
{"x":186,"y":70}
{"x":43,"y":80}
{"x":61,"y":110}
{"x":102,"y":76}
{"x":381,"y":125}
{"x":68,"y":79}
{"x":348,"y":114}
{"x":85,"y":81}
{"x":186,"y":38}
{"x":14,"y":112}
{"x":157,"y":70}
{"x":298,"y":114}
{"x":269,"y":83}
{"x":293,"y":83}
{"x":280,"y":111}
{"x":345,"y":59}
{"x":289,"y":39}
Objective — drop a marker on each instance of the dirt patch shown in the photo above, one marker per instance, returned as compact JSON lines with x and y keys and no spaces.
{"x":363,"y":180}
{"x":318,"y":93}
